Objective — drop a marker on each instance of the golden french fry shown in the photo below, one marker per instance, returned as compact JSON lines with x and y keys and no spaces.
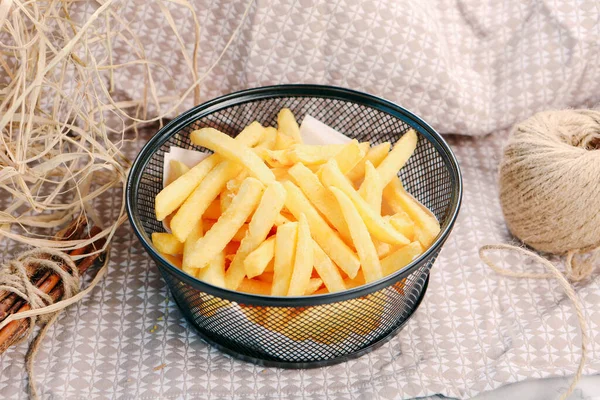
{"x":239,"y":235}
{"x":233,"y":150}
{"x":176,"y":169}
{"x":426,"y":225}
{"x":287,"y":125}
{"x":360,"y":235}
{"x":303,"y":260}
{"x":167,"y":243}
{"x":357,"y":281}
{"x":256,"y":262}
{"x":403,"y":224}
{"x":321,"y":198}
{"x":377,"y":226}
{"x":285,"y":252}
{"x":401,"y":257}
{"x":395,"y":160}
{"x":275,"y":158}
{"x":371,"y":189}
{"x":215,"y":240}
{"x":327,"y":238}
{"x":231,"y":188}
{"x":175,"y":260}
{"x":383,"y":249}
{"x":327,"y":271}
{"x":214,"y":273}
{"x":255,"y":286}
{"x":196,"y":233}
{"x":313,"y":285}
{"x":269,"y":138}
{"x":259,"y":227}
{"x":173,"y":195}
{"x":376,"y":155}
{"x":194,"y":206}
{"x":313,"y":154}
{"x":350,"y":155}
{"x":283,"y":142}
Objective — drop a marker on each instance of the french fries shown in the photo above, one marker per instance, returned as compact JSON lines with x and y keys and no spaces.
{"x":285,"y":253}
{"x":377,"y":226}
{"x":303,"y":260}
{"x":360,"y":235}
{"x":167,"y":243}
{"x":267,"y":214}
{"x":215,"y":240}
{"x":173,"y":195}
{"x":324,"y":235}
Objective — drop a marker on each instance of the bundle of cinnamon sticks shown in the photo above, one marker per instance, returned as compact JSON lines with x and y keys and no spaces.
{"x":47,"y":281}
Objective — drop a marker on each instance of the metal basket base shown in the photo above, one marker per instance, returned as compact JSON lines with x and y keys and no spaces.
{"x":311,"y":364}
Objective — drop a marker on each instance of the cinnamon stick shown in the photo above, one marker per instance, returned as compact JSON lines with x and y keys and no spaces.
{"x":15,"y":329}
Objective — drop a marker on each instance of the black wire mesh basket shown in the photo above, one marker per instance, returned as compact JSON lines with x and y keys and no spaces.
{"x":317,"y":330}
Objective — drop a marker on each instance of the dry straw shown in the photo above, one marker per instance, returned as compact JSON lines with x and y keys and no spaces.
{"x":62,"y":132}
{"x":550,"y":196}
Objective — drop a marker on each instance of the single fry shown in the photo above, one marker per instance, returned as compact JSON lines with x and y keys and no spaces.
{"x":313,"y":154}
{"x":350,"y":155}
{"x":313,"y":285}
{"x":214,"y":273}
{"x":196,"y":233}
{"x":176,"y":169}
{"x":327,"y":270}
{"x":360,"y":235}
{"x":303,"y":260}
{"x":376,"y":155}
{"x":234,"y":151}
{"x":395,"y":160}
{"x":287,"y":125}
{"x":256,"y":262}
{"x":215,"y":240}
{"x":371,"y":189}
{"x":259,"y":227}
{"x":255,"y":286}
{"x":383,"y":249}
{"x":173,"y":195}
{"x":324,"y":235}
{"x":167,"y":243}
{"x":321,"y":198}
{"x":377,"y":226}
{"x":403,"y":224}
{"x":401,"y":258}
{"x":426,"y":225}
{"x":239,"y":235}
{"x":192,"y":209}
{"x":269,"y":138}
{"x":175,"y":260}
{"x":285,"y":252}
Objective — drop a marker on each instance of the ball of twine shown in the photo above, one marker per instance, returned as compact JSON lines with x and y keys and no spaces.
{"x":550,"y":186}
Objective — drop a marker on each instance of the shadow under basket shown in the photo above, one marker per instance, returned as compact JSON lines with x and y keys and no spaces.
{"x":309,"y":331}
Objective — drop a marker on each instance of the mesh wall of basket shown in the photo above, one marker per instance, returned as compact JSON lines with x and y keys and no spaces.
{"x":310,"y":331}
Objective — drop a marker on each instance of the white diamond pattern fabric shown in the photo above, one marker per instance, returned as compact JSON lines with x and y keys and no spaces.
{"x":474,"y":331}
{"x":468,"y":67}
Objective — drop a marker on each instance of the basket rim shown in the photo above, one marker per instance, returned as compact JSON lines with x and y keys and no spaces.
{"x":290,"y":90}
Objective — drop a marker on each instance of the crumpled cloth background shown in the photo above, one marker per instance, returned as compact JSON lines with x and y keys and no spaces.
{"x":466,"y":67}
{"x":469,"y":67}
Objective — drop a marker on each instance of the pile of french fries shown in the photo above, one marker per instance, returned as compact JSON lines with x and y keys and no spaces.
{"x":269,"y":215}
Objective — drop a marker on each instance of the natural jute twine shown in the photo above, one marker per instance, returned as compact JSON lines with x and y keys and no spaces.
{"x":14,"y":279}
{"x":550,"y":197}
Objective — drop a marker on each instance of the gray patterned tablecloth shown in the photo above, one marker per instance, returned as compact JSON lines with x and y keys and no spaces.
{"x":474,"y":331}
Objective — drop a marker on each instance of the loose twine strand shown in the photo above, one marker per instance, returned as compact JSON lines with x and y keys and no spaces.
{"x":553,"y":274}
{"x":14,"y":279}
